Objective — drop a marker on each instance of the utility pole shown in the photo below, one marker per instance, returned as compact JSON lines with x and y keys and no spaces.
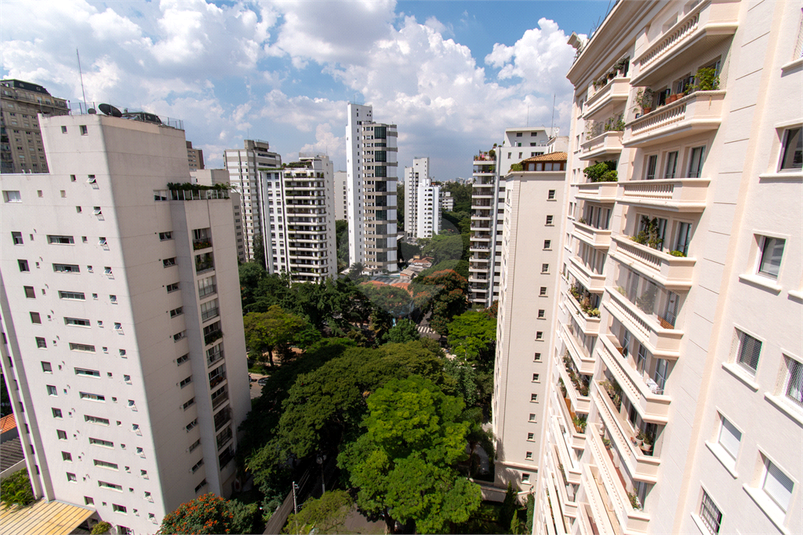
{"x":295,"y":506}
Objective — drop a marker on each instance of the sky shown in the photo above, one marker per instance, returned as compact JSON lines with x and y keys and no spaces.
{"x":451,"y":74}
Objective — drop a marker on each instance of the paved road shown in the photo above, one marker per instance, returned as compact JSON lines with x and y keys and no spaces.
{"x":256,"y":389}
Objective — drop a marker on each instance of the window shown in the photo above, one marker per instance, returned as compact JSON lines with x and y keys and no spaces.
{"x":70,"y":476}
{"x":525,"y":478}
{"x":52,"y":390}
{"x":533,"y":397}
{"x":30,"y":293}
{"x":92,"y":397}
{"x":77,"y":321}
{"x":544,"y":268}
{"x":66,"y":456}
{"x":549,"y":220}
{"x":550,"y":195}
{"x":192,"y":424}
{"x":172,"y":287}
{"x":188,"y":404}
{"x":56,"y":413}
{"x":748,"y":351}
{"x":683,"y":237}
{"x":710,"y":514}
{"x":547,"y":244}
{"x":532,"y":417}
{"x":209,"y":310}
{"x":729,"y":437}
{"x":112,"y":486}
{"x":541,"y":313}
{"x":167,"y":262}
{"x":12,"y":196}
{"x":185,"y":382}
{"x":101,"y":442}
{"x":194,"y":445}
{"x":88,"y":500}
{"x":179,"y":336}
{"x":196,"y":466}
{"x":104,"y":464}
{"x":671,"y":164}
{"x":791,"y":152}
{"x":16,"y":237}
{"x":23,"y":265}
{"x":163,"y":236}
{"x":536,"y":377}
{"x":66,"y":268}
{"x":60,"y":240}
{"x":198,"y":487}
{"x":181,"y":360}
{"x":652,"y":163}
{"x":96,"y":420}
{"x":539,"y":335}
{"x":793,"y":389}
{"x":176,"y":312}
{"x":776,"y":485}
{"x":77,"y":296}
{"x":41,"y":343}
{"x":771,"y":251}
{"x":46,"y":367}
{"x":83,"y":129}
{"x":528,"y":455}
{"x":82,"y":347}
{"x":696,"y":162}
{"x":122,"y":353}
{"x":88,"y":373}
{"x":61,"y":434}
{"x":206,"y":287}
{"x":537,"y":357}
{"x":542,"y":292}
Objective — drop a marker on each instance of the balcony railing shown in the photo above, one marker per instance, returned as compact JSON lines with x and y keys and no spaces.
{"x":202,"y":195}
{"x":595,"y":237}
{"x":614,"y":91}
{"x":581,"y":403}
{"x":217,"y":379}
{"x":588,"y":324}
{"x":212,"y":336}
{"x":582,"y":360}
{"x":197,"y":245}
{"x":224,"y":438}
{"x":671,"y":272}
{"x":676,"y":194}
{"x":695,"y":113}
{"x":595,"y":282}
{"x":661,"y":342}
{"x":222,"y":418}
{"x":220,"y":399}
{"x":601,"y":147}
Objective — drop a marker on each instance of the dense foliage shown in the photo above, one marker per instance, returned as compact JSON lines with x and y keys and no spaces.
{"x":326,"y":514}
{"x":16,"y":489}
{"x":602,"y":172}
{"x":208,"y":513}
{"x":342,"y":241}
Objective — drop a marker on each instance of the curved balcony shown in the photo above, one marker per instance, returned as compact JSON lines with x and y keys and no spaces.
{"x":597,"y":191}
{"x":595,"y":237}
{"x":605,"y":146}
{"x":595,"y":282}
{"x":653,"y":408}
{"x":693,"y":114}
{"x":661,"y":342}
{"x":583,"y":362}
{"x":588,"y":324}
{"x":675,"y":194}
{"x":614,"y":91}
{"x":671,"y":272}
{"x":580,"y":403}
{"x":709,"y":23}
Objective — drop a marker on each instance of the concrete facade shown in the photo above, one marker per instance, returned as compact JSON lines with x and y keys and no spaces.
{"x":121,"y":307}
{"x":341,"y":196}
{"x":680,"y":305}
{"x":413,"y":176}
{"x":371,"y":160}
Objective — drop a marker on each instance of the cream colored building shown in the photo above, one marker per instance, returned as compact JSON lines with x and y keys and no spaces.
{"x":681,"y":307}
{"x":195,"y":157}
{"x":531,"y":245}
{"x":485,"y":239}
{"x":211,"y":177}
{"x":21,"y":148}
{"x":121,"y":307}
{"x":298,"y":204}
{"x":341,"y":196}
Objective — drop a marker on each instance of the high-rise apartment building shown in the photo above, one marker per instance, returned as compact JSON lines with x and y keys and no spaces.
{"x":299,"y":219}
{"x":341,"y":196}
{"x":526,"y":319}
{"x":243,"y":166}
{"x":213,"y":177}
{"x":21,"y":147}
{"x":428,"y":220}
{"x":195,"y":157}
{"x":413,"y":176}
{"x":676,"y":395}
{"x":371,"y":161}
{"x":447,"y":201}
{"x":121,"y":306}
{"x":488,"y":204}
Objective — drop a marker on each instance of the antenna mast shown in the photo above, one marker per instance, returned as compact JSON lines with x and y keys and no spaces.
{"x":81,"y":75}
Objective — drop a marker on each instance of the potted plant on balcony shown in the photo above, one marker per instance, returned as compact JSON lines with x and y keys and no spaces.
{"x":706,"y":79}
{"x":634,"y":501}
{"x":644,"y":99}
{"x":646,"y":443}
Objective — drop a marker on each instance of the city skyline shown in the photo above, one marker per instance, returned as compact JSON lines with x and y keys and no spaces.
{"x":450,"y":73}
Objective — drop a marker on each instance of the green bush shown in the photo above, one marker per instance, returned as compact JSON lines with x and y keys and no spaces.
{"x":602,"y":172}
{"x":101,"y":528}
{"x":16,"y":489}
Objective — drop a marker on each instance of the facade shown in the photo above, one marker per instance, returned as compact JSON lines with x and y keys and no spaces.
{"x":243,"y":166}
{"x":447,"y":201}
{"x":485,"y":240}
{"x":120,"y":303}
{"x":371,"y":160}
{"x":413,"y":176}
{"x":300,"y":221}
{"x":21,"y":147}
{"x":522,"y":143}
{"x":195,"y":157}
{"x":341,"y":196}
{"x":526,"y":319}
{"x":212,"y":177}
{"x":679,"y":347}
{"x":428,"y":205}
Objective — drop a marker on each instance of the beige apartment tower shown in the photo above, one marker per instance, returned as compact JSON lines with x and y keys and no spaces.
{"x":676,"y":392}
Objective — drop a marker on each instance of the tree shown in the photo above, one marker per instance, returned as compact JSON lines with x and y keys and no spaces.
{"x":444,"y":247}
{"x":400,"y":202}
{"x":404,"y":331}
{"x":472,"y":335}
{"x":326,"y":514}
{"x":208,"y":513}
{"x":448,"y":301}
{"x":251,"y":274}
{"x":355,"y":271}
{"x":394,"y":300}
{"x":16,"y":489}
{"x":259,"y":250}
{"x":245,"y":517}
{"x":342,"y":241}
{"x":276,"y":330}
{"x":101,"y":528}
{"x":404,"y":464}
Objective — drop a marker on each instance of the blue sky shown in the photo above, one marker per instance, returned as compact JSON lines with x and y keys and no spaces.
{"x":453,"y":75}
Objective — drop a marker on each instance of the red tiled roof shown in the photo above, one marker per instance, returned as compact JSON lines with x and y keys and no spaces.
{"x":7,"y":423}
{"x":551,"y":157}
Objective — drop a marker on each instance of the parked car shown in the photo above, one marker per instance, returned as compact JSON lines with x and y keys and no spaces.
{"x":263,"y":381}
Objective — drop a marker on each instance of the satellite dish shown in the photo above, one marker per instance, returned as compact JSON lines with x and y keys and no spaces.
{"x":91,"y":111}
{"x":108,"y":109}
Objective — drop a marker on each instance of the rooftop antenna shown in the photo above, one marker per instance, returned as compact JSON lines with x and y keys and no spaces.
{"x":81,"y":75}
{"x":552,"y":125}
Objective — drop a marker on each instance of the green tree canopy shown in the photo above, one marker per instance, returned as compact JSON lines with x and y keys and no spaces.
{"x":404,"y":331}
{"x":276,"y":329}
{"x":449,"y":299}
{"x":404,"y":463}
{"x":444,"y":247}
{"x":208,"y":513}
{"x":472,"y":336}
{"x":326,"y":514}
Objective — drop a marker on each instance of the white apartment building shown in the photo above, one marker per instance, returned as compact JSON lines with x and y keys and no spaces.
{"x":522,"y":143}
{"x":243,"y":166}
{"x":413,"y":176}
{"x":679,"y":345}
{"x":120,"y":301}
{"x":485,"y":240}
{"x":428,"y":220}
{"x":299,"y":219}
{"x":371,"y":160}
{"x":531,"y":244}
{"x":341,"y":196}
{"x":212,"y":177}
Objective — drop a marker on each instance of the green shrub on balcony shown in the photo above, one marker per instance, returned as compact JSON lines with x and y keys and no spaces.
{"x":602,"y":172}
{"x":706,"y":79}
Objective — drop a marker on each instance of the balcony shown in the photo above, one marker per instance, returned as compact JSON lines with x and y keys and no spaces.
{"x":567,"y":437}
{"x":595,"y":237}
{"x":582,"y":361}
{"x":580,"y":402}
{"x":610,"y":488}
{"x":597,"y":191}
{"x":662,"y":341}
{"x":653,"y":408}
{"x":222,"y":418}
{"x":703,"y":27}
{"x":217,"y":379}
{"x":220,"y":399}
{"x":595,"y":282}
{"x":675,"y":194}
{"x":212,"y":336}
{"x":203,"y":243}
{"x":588,"y":324}
{"x":671,"y":272}
{"x":615,"y":91}
{"x":605,"y":146}
{"x":476,"y":247}
{"x":693,"y":114}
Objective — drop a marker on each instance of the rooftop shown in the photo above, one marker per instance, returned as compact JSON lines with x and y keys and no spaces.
{"x":550,"y":157}
{"x":7,"y":423}
{"x":43,"y":518}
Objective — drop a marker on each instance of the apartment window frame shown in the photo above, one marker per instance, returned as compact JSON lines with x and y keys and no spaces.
{"x":727,"y":438}
{"x":30,"y":292}
{"x":671,"y":165}
{"x":16,"y":238}
{"x":793,"y":381}
{"x":650,"y":166}
{"x":747,"y":351}
{"x":790,"y":162}
{"x":709,"y":514}
{"x":773,"y":475}
{"x":696,"y":161}
{"x":768,"y":248}
{"x":23,"y":265}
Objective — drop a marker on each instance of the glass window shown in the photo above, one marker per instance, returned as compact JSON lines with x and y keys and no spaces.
{"x":771,"y":252}
{"x":777,"y":485}
{"x":729,"y":437}
{"x":748,"y":351}
{"x":794,"y":381}
{"x":792,"y":152}
{"x":683,"y":238}
{"x":671,"y":165}
{"x":696,"y":162}
{"x":652,"y":163}
{"x":710,"y":514}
